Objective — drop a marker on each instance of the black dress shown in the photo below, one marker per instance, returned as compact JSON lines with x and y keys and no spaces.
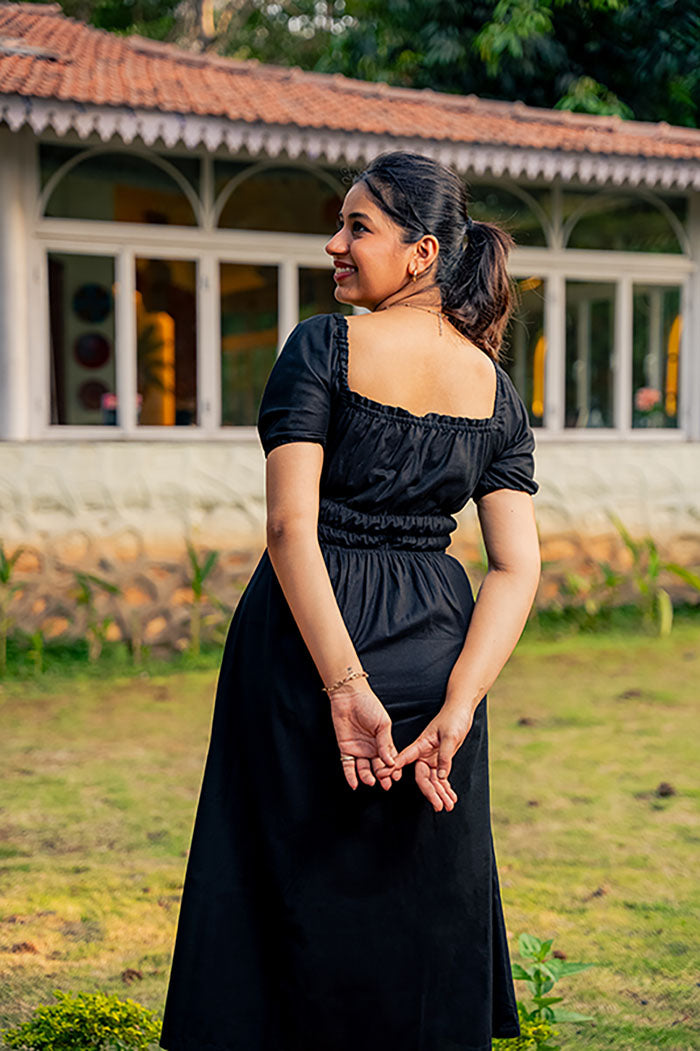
{"x":314,"y":917}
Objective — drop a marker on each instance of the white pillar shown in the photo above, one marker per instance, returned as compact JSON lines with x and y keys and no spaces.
{"x":17,"y":179}
{"x":690,"y":351}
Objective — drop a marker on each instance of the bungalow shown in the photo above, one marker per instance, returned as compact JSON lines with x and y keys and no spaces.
{"x":162,"y":222}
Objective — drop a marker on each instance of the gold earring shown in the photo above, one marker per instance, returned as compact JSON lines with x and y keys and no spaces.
{"x":413,"y":275}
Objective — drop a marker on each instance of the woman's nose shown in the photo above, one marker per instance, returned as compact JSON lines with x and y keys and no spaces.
{"x":337,"y":244}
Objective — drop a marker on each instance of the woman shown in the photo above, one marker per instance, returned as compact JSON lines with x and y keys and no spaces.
{"x":341,"y":891}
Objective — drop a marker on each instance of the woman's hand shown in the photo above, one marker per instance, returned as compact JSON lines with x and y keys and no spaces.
{"x":433,"y":751}
{"x":363,"y":730}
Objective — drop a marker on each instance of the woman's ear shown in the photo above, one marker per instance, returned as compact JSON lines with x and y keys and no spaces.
{"x":426,"y":252}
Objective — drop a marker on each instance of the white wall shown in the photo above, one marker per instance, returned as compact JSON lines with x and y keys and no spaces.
{"x":17,"y":167}
{"x":161,"y":492}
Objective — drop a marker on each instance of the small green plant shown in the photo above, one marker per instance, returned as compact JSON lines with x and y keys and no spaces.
{"x":86,"y":1022}
{"x":7,"y":592}
{"x":540,"y":974}
{"x":655,"y":602}
{"x":534,"y":1036}
{"x":36,"y":651}
{"x":684,"y":574}
{"x":591,"y":598}
{"x":200,"y":572}
{"x":96,"y":626}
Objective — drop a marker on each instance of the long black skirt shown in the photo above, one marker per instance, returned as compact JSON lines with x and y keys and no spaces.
{"x":315,"y":917}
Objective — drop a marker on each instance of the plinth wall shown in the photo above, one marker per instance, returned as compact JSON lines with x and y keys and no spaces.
{"x":125,"y":511}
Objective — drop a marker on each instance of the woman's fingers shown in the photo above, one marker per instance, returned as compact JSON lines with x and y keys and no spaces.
{"x":422,"y":746}
{"x":443,"y":790}
{"x":446,"y":750}
{"x":350,"y":772}
{"x":364,"y":771}
{"x":385,"y":745}
{"x":427,"y":787}
{"x":382,"y":772}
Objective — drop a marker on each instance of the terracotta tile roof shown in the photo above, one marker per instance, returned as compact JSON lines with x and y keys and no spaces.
{"x":44,"y":55}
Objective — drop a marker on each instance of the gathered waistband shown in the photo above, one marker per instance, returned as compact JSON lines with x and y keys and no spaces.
{"x":348,"y":527}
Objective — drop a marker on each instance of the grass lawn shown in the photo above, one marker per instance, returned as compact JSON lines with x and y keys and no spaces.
{"x":100,"y":779}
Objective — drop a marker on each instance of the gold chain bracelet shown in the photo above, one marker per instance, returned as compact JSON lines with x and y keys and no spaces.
{"x":348,"y":678}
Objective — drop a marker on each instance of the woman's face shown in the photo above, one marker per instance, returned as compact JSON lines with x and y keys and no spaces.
{"x":371,"y":262}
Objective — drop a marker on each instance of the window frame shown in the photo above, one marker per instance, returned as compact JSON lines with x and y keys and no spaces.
{"x":624,"y":270}
{"x":209,"y":246}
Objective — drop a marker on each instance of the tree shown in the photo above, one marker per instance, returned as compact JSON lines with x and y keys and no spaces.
{"x":634,"y":58}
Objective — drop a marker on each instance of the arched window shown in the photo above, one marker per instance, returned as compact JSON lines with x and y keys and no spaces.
{"x":494,"y":204}
{"x":283,"y":199}
{"x":118,"y":186}
{"x":624,"y":222}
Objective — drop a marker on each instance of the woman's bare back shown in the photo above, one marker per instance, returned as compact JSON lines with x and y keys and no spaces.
{"x":404,"y":361}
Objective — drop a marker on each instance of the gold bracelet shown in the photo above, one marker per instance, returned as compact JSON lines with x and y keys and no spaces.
{"x":348,"y":678}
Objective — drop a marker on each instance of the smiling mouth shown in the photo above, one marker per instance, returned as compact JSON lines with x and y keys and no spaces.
{"x":345,"y":271}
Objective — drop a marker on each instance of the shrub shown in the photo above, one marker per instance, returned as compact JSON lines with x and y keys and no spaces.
{"x":86,"y":1022}
{"x":534,"y":1036}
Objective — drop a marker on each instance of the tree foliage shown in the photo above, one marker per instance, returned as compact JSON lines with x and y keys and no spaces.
{"x":633,"y":58}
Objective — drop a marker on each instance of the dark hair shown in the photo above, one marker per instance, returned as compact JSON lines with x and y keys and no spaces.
{"x":423,"y":196}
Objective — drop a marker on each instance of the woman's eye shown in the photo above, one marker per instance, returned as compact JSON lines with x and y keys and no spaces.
{"x":357,"y":225}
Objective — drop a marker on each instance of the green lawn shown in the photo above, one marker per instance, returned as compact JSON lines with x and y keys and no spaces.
{"x":100,"y":779}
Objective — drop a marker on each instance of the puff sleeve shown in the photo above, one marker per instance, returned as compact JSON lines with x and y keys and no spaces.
{"x":295,"y":405}
{"x":513,"y":463}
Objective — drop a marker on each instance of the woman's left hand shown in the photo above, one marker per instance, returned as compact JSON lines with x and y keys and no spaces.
{"x":433,"y":751}
{"x":363,"y":731}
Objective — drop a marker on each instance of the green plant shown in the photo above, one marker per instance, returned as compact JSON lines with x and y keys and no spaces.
{"x":540,"y":974}
{"x":7,"y":592}
{"x":590,"y":598}
{"x":36,"y":651}
{"x":200,"y":572}
{"x":655,"y":601}
{"x":684,"y":574}
{"x":96,"y":625}
{"x":86,"y":1022}
{"x":534,"y":1036}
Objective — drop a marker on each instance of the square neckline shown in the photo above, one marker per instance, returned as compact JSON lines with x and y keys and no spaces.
{"x":398,"y":411}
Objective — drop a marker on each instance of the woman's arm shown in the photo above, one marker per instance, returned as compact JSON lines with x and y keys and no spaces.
{"x":505,"y":597}
{"x":293,"y":476}
{"x":362,"y":725}
{"x":504,"y":600}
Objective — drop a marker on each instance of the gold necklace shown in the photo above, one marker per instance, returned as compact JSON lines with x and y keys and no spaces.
{"x":415,"y":306}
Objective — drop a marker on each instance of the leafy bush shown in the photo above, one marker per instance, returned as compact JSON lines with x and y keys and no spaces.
{"x":534,"y":1036}
{"x":86,"y":1022}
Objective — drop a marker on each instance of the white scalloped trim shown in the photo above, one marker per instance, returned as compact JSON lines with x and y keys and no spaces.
{"x":149,"y":126}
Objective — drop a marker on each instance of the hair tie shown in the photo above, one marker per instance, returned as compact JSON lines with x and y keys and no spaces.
{"x":470,"y":223}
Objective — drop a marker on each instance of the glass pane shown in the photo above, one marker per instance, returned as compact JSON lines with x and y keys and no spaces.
{"x":53,"y":157}
{"x":656,"y":338}
{"x":524,"y":347}
{"x":495,"y":205}
{"x":249,"y":337}
{"x":289,"y":200}
{"x":590,"y":342}
{"x":81,"y":338}
{"x":166,"y":341}
{"x":624,"y":223}
{"x":123,"y":188}
{"x":316,"y":293}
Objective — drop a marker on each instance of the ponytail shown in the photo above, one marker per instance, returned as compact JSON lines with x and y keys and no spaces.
{"x":421,"y":196}
{"x":477,"y":292}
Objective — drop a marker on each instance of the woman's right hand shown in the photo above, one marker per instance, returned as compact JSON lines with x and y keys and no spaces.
{"x":363,"y":730}
{"x":433,"y":751}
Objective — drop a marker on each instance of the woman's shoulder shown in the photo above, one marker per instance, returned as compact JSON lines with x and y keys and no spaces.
{"x":316,"y":323}
{"x":310,"y":346}
{"x":512,"y":399}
